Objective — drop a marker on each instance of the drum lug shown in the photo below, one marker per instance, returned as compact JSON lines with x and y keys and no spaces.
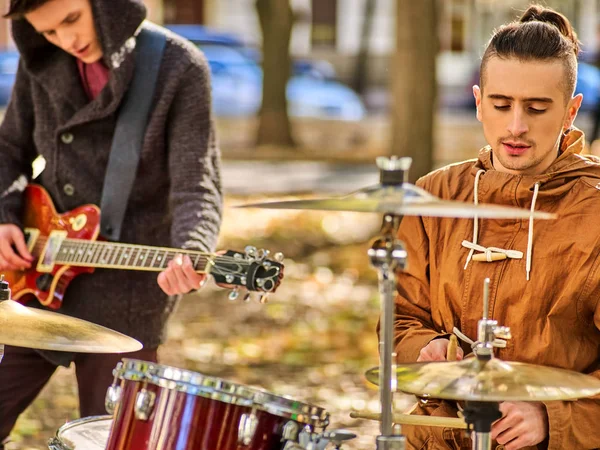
{"x":113,"y":397}
{"x":247,"y":428}
{"x":144,"y":403}
{"x":54,"y":444}
{"x":290,"y":431}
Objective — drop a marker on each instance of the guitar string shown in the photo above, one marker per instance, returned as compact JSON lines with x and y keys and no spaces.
{"x":169,"y":254}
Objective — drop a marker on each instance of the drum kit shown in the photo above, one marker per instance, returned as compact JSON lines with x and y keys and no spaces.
{"x":158,"y":407}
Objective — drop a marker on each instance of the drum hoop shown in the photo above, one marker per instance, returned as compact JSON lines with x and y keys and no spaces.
{"x":76,"y":422}
{"x":214,"y":388}
{"x":186,"y":381}
{"x":55,"y":443}
{"x":290,"y":408}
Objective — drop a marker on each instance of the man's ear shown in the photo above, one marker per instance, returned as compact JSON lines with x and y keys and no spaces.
{"x":572,"y":110}
{"x":477,"y":95}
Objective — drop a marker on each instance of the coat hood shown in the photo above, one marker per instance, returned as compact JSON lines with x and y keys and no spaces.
{"x":116,"y":22}
{"x":570,"y":165}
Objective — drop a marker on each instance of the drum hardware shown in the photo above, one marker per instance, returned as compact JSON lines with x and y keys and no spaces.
{"x":309,"y":440}
{"x":4,"y":295}
{"x":113,"y":396}
{"x":144,"y":403}
{"x":396,"y":441}
{"x":290,"y":431}
{"x":247,"y":427}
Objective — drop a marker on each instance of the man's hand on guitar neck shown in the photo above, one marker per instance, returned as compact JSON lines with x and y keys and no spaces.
{"x":180,"y":277}
{"x":13,"y":249}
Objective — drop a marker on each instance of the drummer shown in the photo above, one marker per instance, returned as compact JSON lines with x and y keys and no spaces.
{"x":545,"y":275}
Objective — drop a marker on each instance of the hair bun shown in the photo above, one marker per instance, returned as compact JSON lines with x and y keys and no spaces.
{"x":538,"y":13}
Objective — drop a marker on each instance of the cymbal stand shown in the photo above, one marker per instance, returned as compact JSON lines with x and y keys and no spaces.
{"x":4,"y":295}
{"x":388,"y":255}
{"x":481,"y":415}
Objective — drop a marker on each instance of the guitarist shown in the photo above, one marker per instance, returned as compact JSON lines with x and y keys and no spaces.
{"x":76,"y":66}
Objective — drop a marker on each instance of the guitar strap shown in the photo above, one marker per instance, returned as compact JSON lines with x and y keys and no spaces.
{"x":129,"y":132}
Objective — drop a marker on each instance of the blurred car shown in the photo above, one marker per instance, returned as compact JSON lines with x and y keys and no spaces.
{"x":9,"y":61}
{"x":236,"y":75}
{"x":312,"y":90}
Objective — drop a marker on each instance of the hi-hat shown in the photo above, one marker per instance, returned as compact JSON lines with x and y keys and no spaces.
{"x":21,"y":326}
{"x":406,"y":200}
{"x":491,"y":381}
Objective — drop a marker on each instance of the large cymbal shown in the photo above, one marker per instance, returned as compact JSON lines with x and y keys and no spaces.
{"x":35,"y":328}
{"x":407,"y":200}
{"x":491,"y":381}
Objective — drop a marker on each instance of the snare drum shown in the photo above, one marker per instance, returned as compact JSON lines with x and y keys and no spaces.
{"x":89,"y":433}
{"x":159,"y":407}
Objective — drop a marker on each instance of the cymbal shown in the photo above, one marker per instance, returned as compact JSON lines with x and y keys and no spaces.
{"x":491,"y":381}
{"x":406,"y":199}
{"x":35,"y":328}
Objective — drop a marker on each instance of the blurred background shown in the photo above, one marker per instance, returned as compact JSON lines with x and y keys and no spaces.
{"x":306,"y":94}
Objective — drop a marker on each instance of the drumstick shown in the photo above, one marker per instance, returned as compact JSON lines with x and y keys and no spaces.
{"x":451,"y":353}
{"x":406,"y":419}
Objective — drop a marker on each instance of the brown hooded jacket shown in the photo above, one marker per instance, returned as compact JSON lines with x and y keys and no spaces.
{"x":548,"y":297}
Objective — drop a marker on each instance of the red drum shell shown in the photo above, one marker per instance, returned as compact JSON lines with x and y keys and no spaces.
{"x":189,"y":421}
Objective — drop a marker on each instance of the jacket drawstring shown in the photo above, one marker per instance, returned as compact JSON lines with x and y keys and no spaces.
{"x":489,"y":251}
{"x":536,"y":190}
{"x":475,"y":219}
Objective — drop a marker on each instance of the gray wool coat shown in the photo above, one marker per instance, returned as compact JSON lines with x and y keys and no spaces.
{"x":176,"y":198}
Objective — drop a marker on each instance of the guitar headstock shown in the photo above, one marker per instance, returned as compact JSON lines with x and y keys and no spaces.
{"x":251,"y":269}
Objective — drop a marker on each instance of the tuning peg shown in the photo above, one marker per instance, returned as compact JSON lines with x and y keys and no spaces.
{"x":234,"y":294}
{"x":251,"y":251}
{"x":264,"y":298}
{"x":263,"y":254}
{"x":278,"y":257}
{"x":247,"y":297}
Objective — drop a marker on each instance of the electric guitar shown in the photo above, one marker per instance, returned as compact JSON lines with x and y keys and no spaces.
{"x":65,"y":245}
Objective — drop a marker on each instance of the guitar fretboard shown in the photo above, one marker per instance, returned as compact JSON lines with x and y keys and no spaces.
{"x":124,"y":256}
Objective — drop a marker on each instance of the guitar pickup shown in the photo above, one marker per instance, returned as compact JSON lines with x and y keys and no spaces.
{"x":50,"y":252}
{"x":31,"y":237}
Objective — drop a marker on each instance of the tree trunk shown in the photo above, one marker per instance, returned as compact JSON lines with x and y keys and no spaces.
{"x":276,"y":20}
{"x":359,"y":83}
{"x":414,"y":83}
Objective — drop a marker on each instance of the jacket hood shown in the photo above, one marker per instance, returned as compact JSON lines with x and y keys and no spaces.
{"x":570,"y":165}
{"x":116,"y":22}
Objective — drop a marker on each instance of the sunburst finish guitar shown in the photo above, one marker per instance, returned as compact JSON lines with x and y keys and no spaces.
{"x":65,"y":245}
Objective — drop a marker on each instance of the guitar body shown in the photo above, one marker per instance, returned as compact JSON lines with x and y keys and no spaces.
{"x":43,"y":281}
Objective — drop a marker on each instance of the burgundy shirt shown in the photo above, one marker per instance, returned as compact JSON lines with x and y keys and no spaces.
{"x":94,"y":77}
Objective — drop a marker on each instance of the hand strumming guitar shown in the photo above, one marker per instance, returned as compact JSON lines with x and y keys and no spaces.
{"x":14,"y":254}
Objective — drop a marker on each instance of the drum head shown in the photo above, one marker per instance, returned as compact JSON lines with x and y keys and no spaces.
{"x":89,"y":433}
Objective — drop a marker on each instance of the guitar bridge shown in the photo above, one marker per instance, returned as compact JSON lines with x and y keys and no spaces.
{"x":51,"y":249}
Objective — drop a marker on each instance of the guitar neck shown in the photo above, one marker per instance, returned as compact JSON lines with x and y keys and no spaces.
{"x":111,"y":255}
